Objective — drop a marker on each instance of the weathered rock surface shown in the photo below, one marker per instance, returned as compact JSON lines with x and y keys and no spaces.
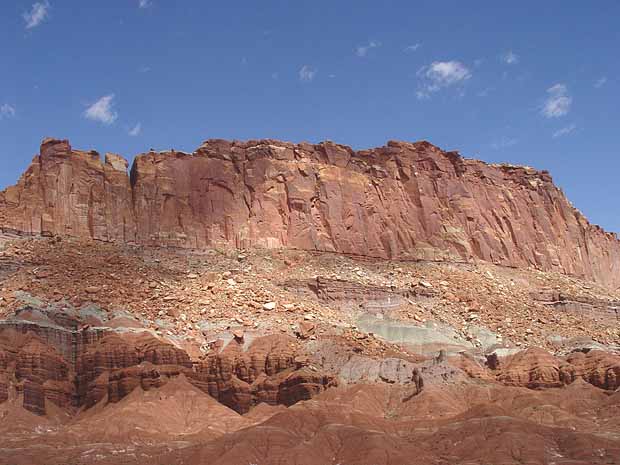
{"x":120,"y":354}
{"x":127,"y":395}
{"x":598,"y":368}
{"x":360,"y":424}
{"x":404,"y":200}
{"x":532,"y":368}
{"x":139,"y":414}
{"x":384,"y":424}
{"x":266,"y":371}
{"x":537,"y":368}
{"x":74,"y":368}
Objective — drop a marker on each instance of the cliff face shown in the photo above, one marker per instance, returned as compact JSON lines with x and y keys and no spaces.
{"x":404,"y":200}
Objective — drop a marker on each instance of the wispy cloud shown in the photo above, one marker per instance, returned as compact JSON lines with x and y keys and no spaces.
{"x":7,"y":111}
{"x":439,"y":75}
{"x":510,"y":58}
{"x":136,"y":130}
{"x":503,"y":143}
{"x":558,"y":102}
{"x":144,"y":3}
{"x":307,"y":73}
{"x":412,"y":48}
{"x":600,"y":82}
{"x":37,"y":14}
{"x":102,"y":110}
{"x":564,"y":131}
{"x":362,"y":50}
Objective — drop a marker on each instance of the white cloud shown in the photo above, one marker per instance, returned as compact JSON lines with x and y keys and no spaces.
{"x":307,"y":73}
{"x":412,"y":48}
{"x":558,"y":103}
{"x":441,"y":74}
{"x":510,"y":58}
{"x":38,"y":13}
{"x":136,"y":130}
{"x":362,"y":50}
{"x":102,"y":110}
{"x":600,"y":82}
{"x":564,"y":131}
{"x":144,"y":3}
{"x":503,"y":143}
{"x":7,"y":111}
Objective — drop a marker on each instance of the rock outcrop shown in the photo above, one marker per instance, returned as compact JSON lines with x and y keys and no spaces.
{"x":404,"y":200}
{"x":533,"y":368}
{"x":598,"y":368}
{"x":536,"y":368}
{"x":79,"y":368}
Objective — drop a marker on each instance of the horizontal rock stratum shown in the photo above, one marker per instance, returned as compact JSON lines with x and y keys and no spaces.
{"x":401,"y":201}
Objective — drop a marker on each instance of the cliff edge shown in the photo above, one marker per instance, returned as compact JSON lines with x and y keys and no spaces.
{"x":401,"y":201}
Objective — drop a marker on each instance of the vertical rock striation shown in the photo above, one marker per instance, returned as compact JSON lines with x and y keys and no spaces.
{"x":401,"y":201}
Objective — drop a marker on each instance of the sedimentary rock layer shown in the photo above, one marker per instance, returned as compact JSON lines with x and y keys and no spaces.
{"x":403,"y":201}
{"x":112,"y":364}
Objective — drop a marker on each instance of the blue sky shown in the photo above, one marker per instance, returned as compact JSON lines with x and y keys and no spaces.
{"x":532,"y":83}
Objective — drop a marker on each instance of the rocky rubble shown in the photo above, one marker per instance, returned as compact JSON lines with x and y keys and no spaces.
{"x":196,"y":296}
{"x":206,"y":316}
{"x":114,"y":353}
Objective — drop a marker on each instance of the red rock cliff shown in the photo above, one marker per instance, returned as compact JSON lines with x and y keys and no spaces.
{"x":404,"y":200}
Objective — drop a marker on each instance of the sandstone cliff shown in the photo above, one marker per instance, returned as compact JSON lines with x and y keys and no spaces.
{"x":404,"y":201}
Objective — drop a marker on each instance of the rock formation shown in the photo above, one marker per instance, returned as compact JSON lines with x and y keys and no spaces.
{"x":80,"y":368}
{"x":119,"y":354}
{"x":404,"y":200}
{"x":535,"y":368}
